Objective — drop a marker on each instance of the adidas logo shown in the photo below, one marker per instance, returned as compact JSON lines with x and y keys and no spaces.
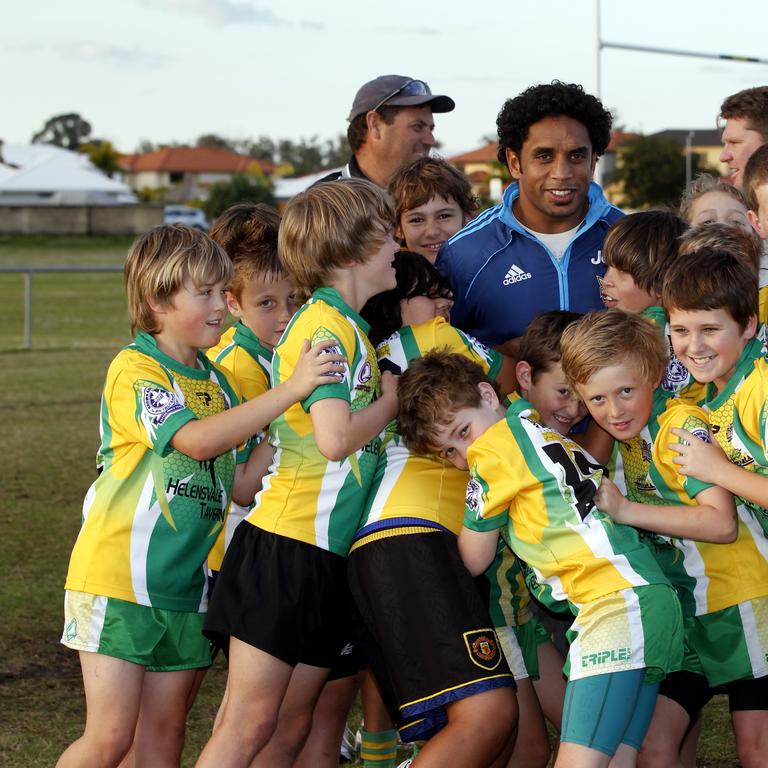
{"x":516,"y":275}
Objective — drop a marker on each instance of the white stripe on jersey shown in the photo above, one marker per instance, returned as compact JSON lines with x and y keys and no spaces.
{"x":141,"y":533}
{"x":397,"y":459}
{"x":634,"y":620}
{"x":330,"y":487}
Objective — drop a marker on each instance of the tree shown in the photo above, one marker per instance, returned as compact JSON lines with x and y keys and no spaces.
{"x":242,"y":188}
{"x":68,"y":131}
{"x":652,"y":171}
{"x":103,"y":155}
{"x":214,"y":141}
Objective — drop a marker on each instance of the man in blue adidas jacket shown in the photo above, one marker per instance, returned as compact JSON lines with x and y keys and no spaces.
{"x":540,"y":249}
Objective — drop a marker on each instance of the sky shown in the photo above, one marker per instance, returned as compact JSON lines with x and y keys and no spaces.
{"x":171,"y":70}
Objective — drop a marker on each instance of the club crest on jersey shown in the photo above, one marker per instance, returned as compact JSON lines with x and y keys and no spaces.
{"x":483,"y":648}
{"x":365,"y":373}
{"x":159,"y":404}
{"x":675,"y":375}
{"x":474,"y":492}
{"x":334,"y":350}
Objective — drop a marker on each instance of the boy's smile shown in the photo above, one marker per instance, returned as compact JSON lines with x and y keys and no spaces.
{"x":619,"y":399}
{"x":619,"y":289}
{"x":709,"y":342}
{"x":559,"y":408}
{"x":191,"y":320}
{"x":427,"y":227}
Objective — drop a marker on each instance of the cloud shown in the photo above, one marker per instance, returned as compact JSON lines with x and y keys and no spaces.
{"x":224,"y":12}
{"x":405,"y":30}
{"x":90,"y":52}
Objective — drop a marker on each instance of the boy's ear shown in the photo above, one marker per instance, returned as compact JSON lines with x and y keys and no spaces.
{"x":524,"y":376}
{"x":156,"y":305}
{"x":755,"y":222}
{"x":233,"y":305}
{"x":751,"y":328}
{"x":488,"y":394}
{"x":399,"y":236}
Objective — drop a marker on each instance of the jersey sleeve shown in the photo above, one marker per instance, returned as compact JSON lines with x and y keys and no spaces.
{"x":694,"y":420}
{"x":142,"y":405}
{"x":489,"y":491}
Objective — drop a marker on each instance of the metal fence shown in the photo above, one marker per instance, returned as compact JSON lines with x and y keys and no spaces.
{"x":29,"y":273}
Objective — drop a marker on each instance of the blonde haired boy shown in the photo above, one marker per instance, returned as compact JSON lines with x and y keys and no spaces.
{"x":336,"y":241}
{"x":136,"y":588}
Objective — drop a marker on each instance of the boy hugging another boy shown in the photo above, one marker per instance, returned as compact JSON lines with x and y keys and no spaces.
{"x":615,"y":361}
{"x":538,"y":486}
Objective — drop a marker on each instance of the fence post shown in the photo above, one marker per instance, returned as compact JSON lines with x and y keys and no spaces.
{"x":28,"y":310}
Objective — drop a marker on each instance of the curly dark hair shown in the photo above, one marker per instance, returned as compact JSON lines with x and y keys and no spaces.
{"x":416,"y":276}
{"x":552,"y":100}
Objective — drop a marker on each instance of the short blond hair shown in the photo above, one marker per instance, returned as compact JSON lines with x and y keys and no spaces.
{"x":610,"y":337}
{"x":158,"y":263}
{"x":330,"y":226}
{"x":702,"y":185}
{"x":724,"y":237}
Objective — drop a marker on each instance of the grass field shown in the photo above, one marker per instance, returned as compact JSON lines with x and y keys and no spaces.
{"x":49,"y":415}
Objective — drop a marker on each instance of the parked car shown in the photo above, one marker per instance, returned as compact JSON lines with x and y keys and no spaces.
{"x":184,"y":214}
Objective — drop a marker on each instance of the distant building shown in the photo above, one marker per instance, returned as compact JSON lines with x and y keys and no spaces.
{"x":44,"y":174}
{"x":486,"y":174}
{"x":703,"y":141}
{"x":187,"y":173}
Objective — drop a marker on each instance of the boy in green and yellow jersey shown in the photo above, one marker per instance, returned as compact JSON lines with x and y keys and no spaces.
{"x":282,"y":593}
{"x":136,"y":591}
{"x":539,"y":486}
{"x":615,"y":360}
{"x":711,"y":296}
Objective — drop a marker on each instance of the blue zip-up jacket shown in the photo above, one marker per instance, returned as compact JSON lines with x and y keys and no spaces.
{"x":502,"y":276}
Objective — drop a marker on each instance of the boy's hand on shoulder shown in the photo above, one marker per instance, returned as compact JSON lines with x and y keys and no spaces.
{"x":698,"y":458}
{"x":321,"y":364}
{"x":609,"y":499}
{"x":389,"y":383}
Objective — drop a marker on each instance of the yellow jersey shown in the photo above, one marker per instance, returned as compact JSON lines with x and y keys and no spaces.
{"x":305,"y":496}
{"x":153,"y":513}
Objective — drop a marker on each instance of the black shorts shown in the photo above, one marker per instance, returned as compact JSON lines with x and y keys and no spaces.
{"x":692,"y":692}
{"x":287,"y":598}
{"x":424,"y":627}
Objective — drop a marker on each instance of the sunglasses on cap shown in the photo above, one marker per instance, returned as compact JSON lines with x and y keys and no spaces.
{"x":410,"y":88}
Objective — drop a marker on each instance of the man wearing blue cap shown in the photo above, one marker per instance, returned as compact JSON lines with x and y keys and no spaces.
{"x":390,"y":123}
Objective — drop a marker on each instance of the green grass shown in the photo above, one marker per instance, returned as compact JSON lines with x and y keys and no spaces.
{"x":49,"y":400}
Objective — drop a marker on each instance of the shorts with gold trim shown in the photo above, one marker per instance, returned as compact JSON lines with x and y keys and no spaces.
{"x":730,"y":644}
{"x":520,"y":645}
{"x":423,"y":623}
{"x":158,"y":639}
{"x":629,"y":629}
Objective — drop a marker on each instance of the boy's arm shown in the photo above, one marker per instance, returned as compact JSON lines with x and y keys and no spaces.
{"x":248,"y":476}
{"x":339,"y":431}
{"x":708,"y":462}
{"x":205,"y":438}
{"x":478,"y":549}
{"x":712,"y":518}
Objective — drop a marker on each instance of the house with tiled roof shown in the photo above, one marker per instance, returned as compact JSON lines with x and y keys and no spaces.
{"x":186,"y":173}
{"x":485,"y":172}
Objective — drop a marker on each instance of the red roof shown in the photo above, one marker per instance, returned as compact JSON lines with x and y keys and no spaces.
{"x":191,"y":160}
{"x":618,"y":138}
{"x":486,"y":154}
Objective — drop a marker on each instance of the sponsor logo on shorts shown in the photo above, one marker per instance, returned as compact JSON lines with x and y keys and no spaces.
{"x":159,"y":404}
{"x":347,"y":649}
{"x":70,"y":631}
{"x":483,"y":648}
{"x":606,"y":657}
{"x":516,"y":275}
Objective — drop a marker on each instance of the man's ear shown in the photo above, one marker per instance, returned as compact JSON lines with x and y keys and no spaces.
{"x":594,"y":164}
{"x":513,"y":163}
{"x":373,"y":123}
{"x":524,"y":376}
